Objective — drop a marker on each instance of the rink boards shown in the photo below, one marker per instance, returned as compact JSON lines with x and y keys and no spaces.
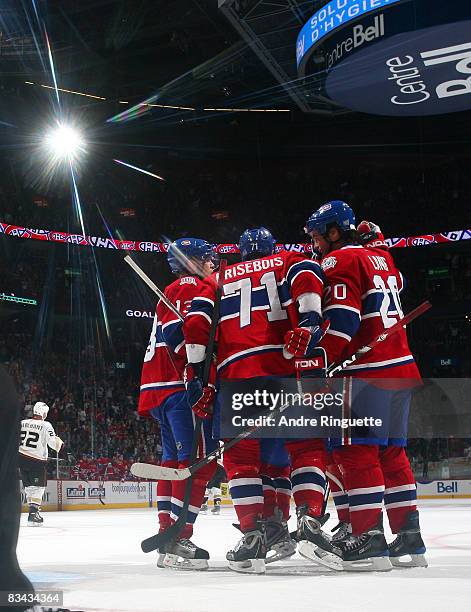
{"x":77,"y":495}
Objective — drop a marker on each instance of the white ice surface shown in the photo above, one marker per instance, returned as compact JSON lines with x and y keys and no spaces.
{"x":94,"y":556}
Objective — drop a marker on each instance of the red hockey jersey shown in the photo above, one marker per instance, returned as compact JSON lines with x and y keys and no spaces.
{"x":162,"y":371}
{"x":258,"y":307}
{"x":361,"y":298}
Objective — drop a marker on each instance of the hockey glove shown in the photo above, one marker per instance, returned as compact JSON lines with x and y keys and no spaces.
{"x":201,"y":398}
{"x":302,"y":340}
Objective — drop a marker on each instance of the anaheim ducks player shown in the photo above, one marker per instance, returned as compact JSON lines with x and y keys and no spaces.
{"x":37,"y":435}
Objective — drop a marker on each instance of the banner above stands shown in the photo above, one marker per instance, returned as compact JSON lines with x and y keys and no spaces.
{"x":161,"y":247}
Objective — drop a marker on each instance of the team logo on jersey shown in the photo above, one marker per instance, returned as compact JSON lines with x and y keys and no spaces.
{"x":328,"y":263}
{"x":421,"y":240}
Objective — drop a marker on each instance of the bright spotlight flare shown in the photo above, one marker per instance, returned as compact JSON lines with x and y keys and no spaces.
{"x":64,"y":142}
{"x":122,"y":163}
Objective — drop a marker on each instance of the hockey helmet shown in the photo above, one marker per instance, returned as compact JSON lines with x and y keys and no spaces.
{"x":184,"y":250}
{"x":334,"y":212}
{"x":40,"y":409}
{"x":255,"y":243}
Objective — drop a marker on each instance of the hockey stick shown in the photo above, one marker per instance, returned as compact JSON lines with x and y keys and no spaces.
{"x":172,"y":532}
{"x":156,"y":472}
{"x":150,"y":283}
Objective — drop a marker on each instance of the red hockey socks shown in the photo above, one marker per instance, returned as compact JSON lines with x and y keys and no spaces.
{"x":308,"y":473}
{"x":363,"y":479}
{"x":400,"y":495}
{"x":242,"y":464}
{"x":164,"y":498}
{"x":339,"y":494}
{"x":198,"y":488}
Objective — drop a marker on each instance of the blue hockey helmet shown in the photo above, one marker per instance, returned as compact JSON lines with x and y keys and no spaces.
{"x":334,"y":212}
{"x":257,"y":242}
{"x":185,"y":250}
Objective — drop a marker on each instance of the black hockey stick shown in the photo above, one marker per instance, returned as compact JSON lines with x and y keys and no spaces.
{"x":172,"y":532}
{"x":156,"y":472}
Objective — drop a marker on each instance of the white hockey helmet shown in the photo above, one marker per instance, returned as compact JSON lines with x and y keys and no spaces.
{"x":40,"y":409}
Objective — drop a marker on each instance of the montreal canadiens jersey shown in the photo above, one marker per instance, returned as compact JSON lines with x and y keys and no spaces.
{"x":361,"y":299}
{"x":35,"y":437}
{"x":164,"y":360}
{"x":258,"y":307}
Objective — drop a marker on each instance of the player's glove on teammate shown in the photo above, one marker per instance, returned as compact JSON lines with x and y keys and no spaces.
{"x":201,"y":398}
{"x":302,"y":340}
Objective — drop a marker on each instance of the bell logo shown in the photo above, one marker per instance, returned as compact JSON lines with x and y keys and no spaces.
{"x":461,"y":54}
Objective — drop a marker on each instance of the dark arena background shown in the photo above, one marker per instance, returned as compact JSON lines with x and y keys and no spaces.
{"x":184,"y":118}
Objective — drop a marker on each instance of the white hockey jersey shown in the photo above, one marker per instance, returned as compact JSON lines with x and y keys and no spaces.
{"x":36,"y":436}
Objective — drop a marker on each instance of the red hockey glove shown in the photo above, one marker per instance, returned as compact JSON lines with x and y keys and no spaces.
{"x":302,"y":340}
{"x":201,"y":398}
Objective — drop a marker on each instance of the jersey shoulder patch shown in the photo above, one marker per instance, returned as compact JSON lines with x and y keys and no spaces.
{"x":329,"y":262}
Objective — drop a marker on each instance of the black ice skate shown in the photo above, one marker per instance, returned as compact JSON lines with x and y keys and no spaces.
{"x":248,"y":556}
{"x":342,"y":532}
{"x":408,"y":543}
{"x":204,"y":509}
{"x":34,"y":518}
{"x":314,"y":544}
{"x":183,"y":554}
{"x":280,"y":545}
{"x":368,"y":552}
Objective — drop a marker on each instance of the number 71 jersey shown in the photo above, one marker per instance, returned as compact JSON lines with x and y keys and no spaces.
{"x":361,"y":299}
{"x":258,"y":307}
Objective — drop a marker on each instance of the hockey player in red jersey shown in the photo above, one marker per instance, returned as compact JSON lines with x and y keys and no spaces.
{"x":370,"y":237}
{"x":163,"y":397}
{"x":270,"y":313}
{"x":361,"y":299}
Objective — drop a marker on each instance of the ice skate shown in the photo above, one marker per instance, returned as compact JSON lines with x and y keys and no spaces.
{"x":248,"y":556}
{"x":185,"y":555}
{"x":408,"y":549}
{"x":314,"y":544}
{"x":204,"y":509}
{"x":34,"y":518}
{"x":367,"y":553}
{"x":280,"y":545}
{"x":342,"y":532}
{"x":216,"y":509}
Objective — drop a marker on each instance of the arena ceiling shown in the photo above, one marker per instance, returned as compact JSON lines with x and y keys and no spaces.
{"x":196,"y":54}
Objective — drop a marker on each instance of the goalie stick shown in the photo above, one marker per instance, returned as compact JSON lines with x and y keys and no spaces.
{"x":172,"y":532}
{"x":156,"y":472}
